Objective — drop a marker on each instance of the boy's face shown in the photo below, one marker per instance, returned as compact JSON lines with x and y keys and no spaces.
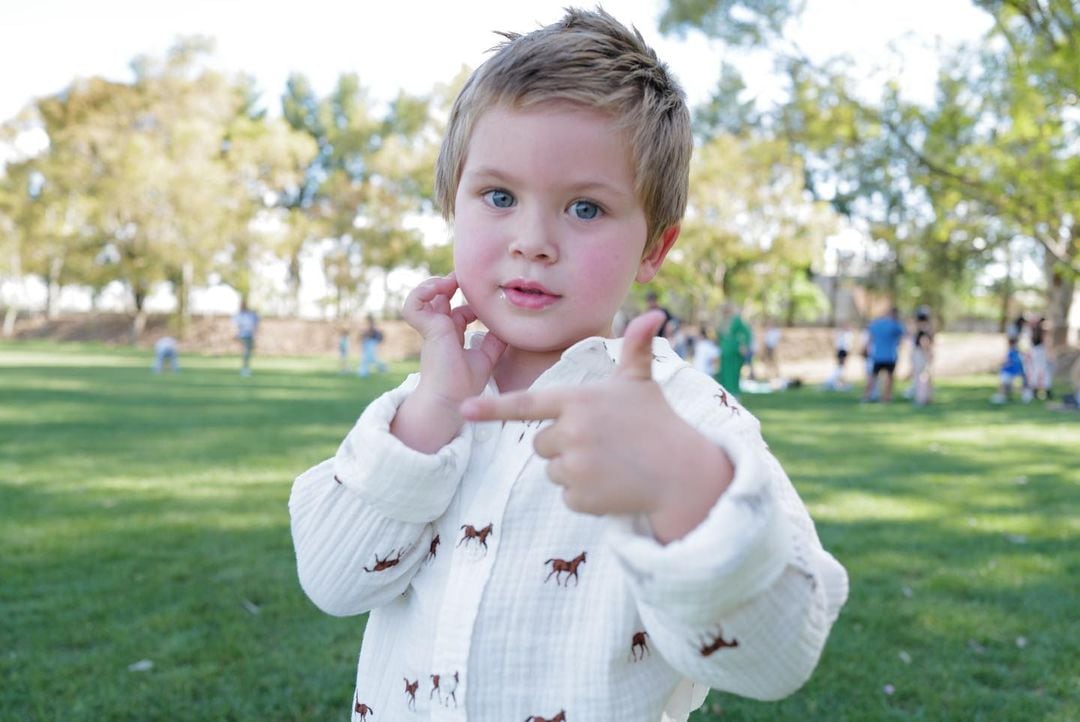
{"x":548,"y":232}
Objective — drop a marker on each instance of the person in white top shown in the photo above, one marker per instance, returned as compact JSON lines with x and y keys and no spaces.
{"x":770,"y":345}
{"x":706,"y":353}
{"x":842,"y":344}
{"x":247,"y":323}
{"x":547,"y":523}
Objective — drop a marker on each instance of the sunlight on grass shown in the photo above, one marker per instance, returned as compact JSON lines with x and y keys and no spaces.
{"x":863,"y":506}
{"x":144,"y":517}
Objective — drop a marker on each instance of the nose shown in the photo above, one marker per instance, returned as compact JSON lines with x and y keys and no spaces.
{"x":534,"y":240}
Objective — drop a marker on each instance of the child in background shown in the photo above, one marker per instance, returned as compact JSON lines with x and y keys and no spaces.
{"x":842,"y":344}
{"x":369,"y":349}
{"x":343,"y":350}
{"x":922,"y":359}
{"x":706,"y":353}
{"x":166,"y":354}
{"x":1041,"y":373}
{"x":247,"y":323}
{"x":1012,"y":369}
{"x":545,"y":522}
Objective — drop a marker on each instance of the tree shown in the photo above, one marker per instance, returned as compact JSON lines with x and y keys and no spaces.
{"x":994,"y":157}
{"x":750,"y":232}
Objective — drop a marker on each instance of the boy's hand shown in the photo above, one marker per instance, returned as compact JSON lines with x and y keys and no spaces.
{"x":618,"y":447}
{"x":430,"y":418}
{"x":447,"y":370}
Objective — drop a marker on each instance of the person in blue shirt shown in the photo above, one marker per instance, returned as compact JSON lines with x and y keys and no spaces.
{"x":1012,"y":368}
{"x":885,"y":333}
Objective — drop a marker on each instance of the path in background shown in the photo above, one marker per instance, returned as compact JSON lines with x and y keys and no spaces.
{"x":805,"y":353}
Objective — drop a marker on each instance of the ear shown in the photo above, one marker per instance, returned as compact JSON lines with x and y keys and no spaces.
{"x":651,"y":261}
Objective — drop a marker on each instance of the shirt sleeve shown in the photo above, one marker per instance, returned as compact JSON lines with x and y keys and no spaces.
{"x":744,"y":602}
{"x":361,"y":521}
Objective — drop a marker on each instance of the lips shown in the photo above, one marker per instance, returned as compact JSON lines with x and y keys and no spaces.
{"x":528,"y":294}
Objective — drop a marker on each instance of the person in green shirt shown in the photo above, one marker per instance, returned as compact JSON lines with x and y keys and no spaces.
{"x":734,"y":345}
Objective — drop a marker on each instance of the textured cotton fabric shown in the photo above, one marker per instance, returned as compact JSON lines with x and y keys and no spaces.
{"x":491,"y":601}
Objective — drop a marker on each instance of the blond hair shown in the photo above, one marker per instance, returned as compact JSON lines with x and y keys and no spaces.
{"x":591,"y":60}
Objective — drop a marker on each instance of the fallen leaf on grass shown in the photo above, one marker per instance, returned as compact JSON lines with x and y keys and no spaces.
{"x":905,"y":657}
{"x":143,"y":665}
{"x":250,"y":606}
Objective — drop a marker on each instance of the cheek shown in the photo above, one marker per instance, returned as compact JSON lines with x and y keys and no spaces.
{"x":471,"y":257}
{"x":606,"y":273}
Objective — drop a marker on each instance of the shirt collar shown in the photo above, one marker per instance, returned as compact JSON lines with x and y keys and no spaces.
{"x":595,"y":357}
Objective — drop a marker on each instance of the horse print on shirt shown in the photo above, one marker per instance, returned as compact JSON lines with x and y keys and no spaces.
{"x":363,"y":710}
{"x":562,"y":566}
{"x":471,"y":533}
{"x":387,"y":562}
{"x":561,"y":717}
{"x":639,"y":643}
{"x":708,"y":647}
{"x":722,"y":395}
{"x":410,"y":690}
{"x":435,"y":541}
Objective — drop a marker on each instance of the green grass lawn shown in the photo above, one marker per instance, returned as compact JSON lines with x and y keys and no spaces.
{"x":143,"y":519}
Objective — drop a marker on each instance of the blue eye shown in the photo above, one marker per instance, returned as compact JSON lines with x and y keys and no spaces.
{"x":584,"y":210}
{"x":499,"y":198}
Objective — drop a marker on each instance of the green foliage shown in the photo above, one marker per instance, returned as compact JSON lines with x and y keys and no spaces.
{"x":739,"y":23}
{"x":749,"y":232}
{"x":370,"y":176}
{"x":178,"y":176}
{"x":939,"y":189}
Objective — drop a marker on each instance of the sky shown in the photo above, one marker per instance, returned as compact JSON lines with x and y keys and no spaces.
{"x":414,"y":44}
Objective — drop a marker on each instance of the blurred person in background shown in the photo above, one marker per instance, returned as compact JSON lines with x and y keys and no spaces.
{"x":247,"y":323}
{"x":922,"y":358}
{"x":735,"y":340}
{"x":369,"y":349}
{"x":166,"y":354}
{"x":885,"y":334}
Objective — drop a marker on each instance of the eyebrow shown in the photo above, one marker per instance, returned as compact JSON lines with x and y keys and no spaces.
{"x":494,"y":174}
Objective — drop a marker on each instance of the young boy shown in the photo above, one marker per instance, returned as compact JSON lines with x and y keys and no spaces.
{"x":548,"y":523}
{"x":1012,"y":369}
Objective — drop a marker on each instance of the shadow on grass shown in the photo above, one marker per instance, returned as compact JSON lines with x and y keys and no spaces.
{"x":144,"y":517}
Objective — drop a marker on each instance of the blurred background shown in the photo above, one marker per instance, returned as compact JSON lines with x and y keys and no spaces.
{"x":164,"y":164}
{"x":170,"y":159}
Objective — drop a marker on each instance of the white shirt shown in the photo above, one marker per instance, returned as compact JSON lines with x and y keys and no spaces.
{"x":706,"y":356}
{"x":504,"y":624}
{"x":772,"y":337}
{"x":843,"y":340}
{"x":246,"y":323}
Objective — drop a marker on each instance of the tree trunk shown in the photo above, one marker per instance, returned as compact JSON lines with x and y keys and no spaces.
{"x":1006,"y":290}
{"x":1059,"y":298}
{"x":138,"y":324}
{"x":182,"y":283}
{"x":9,"y":320}
{"x":52,"y":296}
{"x":834,"y":298}
{"x":294,"y":283}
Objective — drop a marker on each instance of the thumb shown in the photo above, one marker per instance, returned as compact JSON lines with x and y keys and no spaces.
{"x":636,"y":359}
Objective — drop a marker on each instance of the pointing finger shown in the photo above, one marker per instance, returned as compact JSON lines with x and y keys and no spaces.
{"x":637,"y":356}
{"x":516,"y":406}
